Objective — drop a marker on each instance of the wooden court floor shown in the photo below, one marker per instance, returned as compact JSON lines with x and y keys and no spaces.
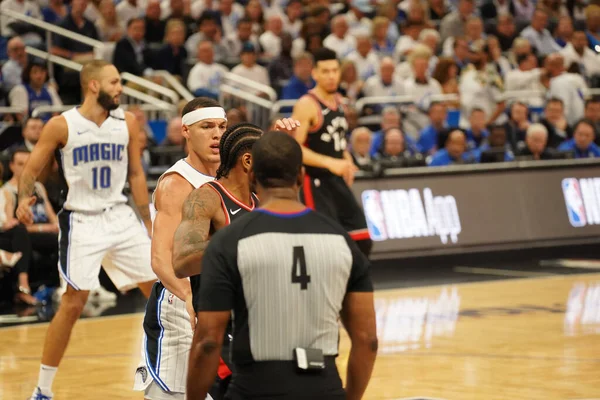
{"x":514,"y":339}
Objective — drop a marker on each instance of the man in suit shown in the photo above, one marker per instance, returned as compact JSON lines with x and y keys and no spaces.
{"x":130,"y":52}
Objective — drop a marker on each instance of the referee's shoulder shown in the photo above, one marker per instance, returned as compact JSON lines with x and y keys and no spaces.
{"x":236,"y":230}
{"x":328,"y":223}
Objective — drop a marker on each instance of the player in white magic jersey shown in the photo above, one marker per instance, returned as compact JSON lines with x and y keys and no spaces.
{"x":98,"y":150}
{"x":170,"y":316}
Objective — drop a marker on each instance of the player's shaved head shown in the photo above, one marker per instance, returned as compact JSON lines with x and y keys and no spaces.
{"x":92,"y":71}
{"x":276,"y":160}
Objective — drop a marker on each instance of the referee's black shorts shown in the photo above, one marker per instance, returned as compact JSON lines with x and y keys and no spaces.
{"x":330,"y":195}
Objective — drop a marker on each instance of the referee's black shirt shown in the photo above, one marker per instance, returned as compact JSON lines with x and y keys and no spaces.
{"x":285,"y":277}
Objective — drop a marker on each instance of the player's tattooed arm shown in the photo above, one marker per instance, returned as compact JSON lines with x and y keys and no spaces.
{"x":191,"y":237}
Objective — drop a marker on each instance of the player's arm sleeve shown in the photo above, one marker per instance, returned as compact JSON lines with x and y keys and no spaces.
{"x":360,"y":274}
{"x":219,"y":277}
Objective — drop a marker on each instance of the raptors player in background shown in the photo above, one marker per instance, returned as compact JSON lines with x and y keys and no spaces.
{"x":98,"y":150}
{"x":170,"y":317}
{"x":329,"y":166}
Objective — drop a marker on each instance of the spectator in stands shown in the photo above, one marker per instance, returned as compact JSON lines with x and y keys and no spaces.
{"x":249,"y":69}
{"x":582,"y":143}
{"x":111,"y":27}
{"x":564,"y":31}
{"x":385,"y":82}
{"x":155,"y":26}
{"x":292,"y":20}
{"x":473,"y":32}
{"x":460,"y":53}
{"x":393,"y":146}
{"x":592,"y":23}
{"x":360,"y":143}
{"x":235,"y":116}
{"x":524,"y":10}
{"x":43,"y":233}
{"x":437,"y":10}
{"x":55,"y":11}
{"x":281,"y":68}
{"x":181,"y":10}
{"x":234,"y":42}
{"x":428,"y":138}
{"x":75,"y":22}
{"x":92,"y":11}
{"x":364,"y":57}
{"x":128,"y":9}
{"x":431,"y":39}
{"x":205,"y":77}
{"x":390,"y":118}
{"x":592,"y":113}
{"x":518,"y":124}
{"x":145,"y":128}
{"x":350,"y":84}
{"x":536,"y":141}
{"x":340,"y":40}
{"x":497,"y":141}
{"x":351,"y":117}
{"x":174,"y":136}
{"x":302,"y":81}
{"x":495,"y":58}
{"x":453,"y":24}
{"x":446,"y":73}
{"x":505,"y":31}
{"x":12,"y":70}
{"x":254,"y":12}
{"x":567,"y":87}
{"x":230,"y":13}
{"x":26,"y":7}
{"x":358,"y":16}
{"x":322,"y":16}
{"x":492,"y":10}
{"x":130,"y":53}
{"x":477,"y":133}
{"x":382,"y":45}
{"x":481,"y":87}
{"x":521,"y":46}
{"x":537,"y":34}
{"x":408,"y":40}
{"x":455,"y":151}
{"x":527,"y":77}
{"x":208,"y":29}
{"x":32,"y":129}
{"x":173,"y":55}
{"x":578,"y":52}
{"x":270,"y":40}
{"x":555,"y":122}
{"x":34,"y":91}
{"x":419,"y":85}
{"x":16,"y":251}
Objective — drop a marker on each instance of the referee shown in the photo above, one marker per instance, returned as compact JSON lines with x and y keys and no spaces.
{"x":288,"y":274}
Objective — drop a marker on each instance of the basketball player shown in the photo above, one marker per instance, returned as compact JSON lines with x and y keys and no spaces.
{"x":329,"y":166}
{"x":288,"y":274}
{"x":98,"y":150}
{"x":170,"y":317}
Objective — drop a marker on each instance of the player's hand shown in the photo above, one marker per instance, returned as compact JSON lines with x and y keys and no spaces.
{"x":344,"y":168}
{"x":189,"y":306}
{"x":9,"y":224}
{"x":349,"y":174}
{"x":287,"y":125}
{"x":24,"y":213}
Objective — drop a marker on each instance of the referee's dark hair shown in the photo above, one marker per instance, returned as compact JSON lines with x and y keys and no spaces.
{"x":236,"y":140}
{"x":276,"y":160}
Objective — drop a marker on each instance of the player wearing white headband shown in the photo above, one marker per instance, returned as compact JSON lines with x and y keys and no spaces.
{"x":170,"y":317}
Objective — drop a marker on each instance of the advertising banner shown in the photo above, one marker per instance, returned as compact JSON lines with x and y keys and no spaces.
{"x":449,"y":212}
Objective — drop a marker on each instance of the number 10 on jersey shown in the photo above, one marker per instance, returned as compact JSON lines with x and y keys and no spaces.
{"x":101,"y":177}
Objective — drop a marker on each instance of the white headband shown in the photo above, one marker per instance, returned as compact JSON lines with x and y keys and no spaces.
{"x":202,"y":114}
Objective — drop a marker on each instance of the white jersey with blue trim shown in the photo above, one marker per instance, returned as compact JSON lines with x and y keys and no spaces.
{"x":186,"y":171}
{"x":94,"y":162}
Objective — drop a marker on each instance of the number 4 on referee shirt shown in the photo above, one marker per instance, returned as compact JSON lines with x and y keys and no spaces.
{"x":299,"y":274}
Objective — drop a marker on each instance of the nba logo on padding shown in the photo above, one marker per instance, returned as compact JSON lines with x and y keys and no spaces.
{"x":374,"y":215}
{"x":574,"y":202}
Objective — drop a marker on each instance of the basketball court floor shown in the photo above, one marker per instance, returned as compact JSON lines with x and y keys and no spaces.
{"x":457,"y":333}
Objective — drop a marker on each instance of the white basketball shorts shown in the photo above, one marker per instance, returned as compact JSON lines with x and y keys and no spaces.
{"x":114,"y":239}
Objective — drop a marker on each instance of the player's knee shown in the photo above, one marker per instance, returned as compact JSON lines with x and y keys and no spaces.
{"x":72,"y":303}
{"x":365,"y":246}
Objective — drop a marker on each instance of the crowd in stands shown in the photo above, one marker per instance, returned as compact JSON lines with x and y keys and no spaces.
{"x":456,"y":60}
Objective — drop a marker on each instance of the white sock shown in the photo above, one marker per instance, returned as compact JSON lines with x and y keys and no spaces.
{"x":46,"y":378}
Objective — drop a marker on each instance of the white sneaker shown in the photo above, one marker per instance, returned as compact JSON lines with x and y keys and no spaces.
{"x":57,"y":295}
{"x":101,"y":295}
{"x":38,"y":395}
